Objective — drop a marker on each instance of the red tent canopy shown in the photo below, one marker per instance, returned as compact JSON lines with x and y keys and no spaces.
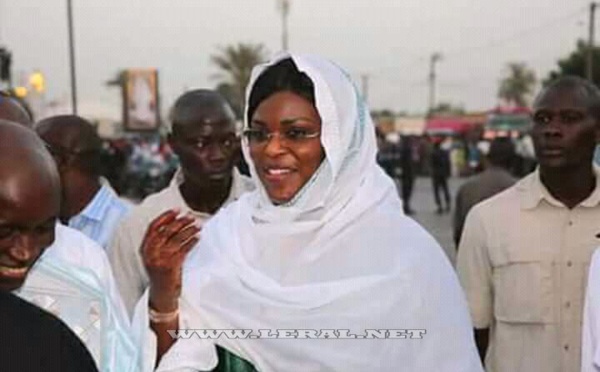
{"x":448,"y":124}
{"x":510,"y":111}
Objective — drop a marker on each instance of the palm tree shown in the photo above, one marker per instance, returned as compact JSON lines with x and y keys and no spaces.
{"x":236,"y":63}
{"x":518,"y":84}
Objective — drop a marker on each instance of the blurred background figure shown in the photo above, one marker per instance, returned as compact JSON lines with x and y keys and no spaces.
{"x":89,"y":203}
{"x":440,"y":172}
{"x":14,"y":109}
{"x":408,"y":158}
{"x":495,"y":178}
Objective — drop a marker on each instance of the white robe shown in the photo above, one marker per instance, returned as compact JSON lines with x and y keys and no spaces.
{"x":340,"y":255}
{"x":73,"y":280}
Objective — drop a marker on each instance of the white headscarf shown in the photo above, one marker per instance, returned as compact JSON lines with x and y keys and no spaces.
{"x":340,"y":256}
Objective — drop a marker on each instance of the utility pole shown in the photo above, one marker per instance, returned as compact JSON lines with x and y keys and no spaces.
{"x":365,"y":86}
{"x":590,"y":51}
{"x":72,"y":56}
{"x":284,"y":9}
{"x":435,"y":58}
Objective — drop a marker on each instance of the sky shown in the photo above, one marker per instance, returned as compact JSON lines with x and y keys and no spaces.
{"x":390,"y":41}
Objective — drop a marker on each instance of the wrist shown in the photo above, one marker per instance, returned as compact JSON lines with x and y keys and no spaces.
{"x":161,"y":317}
{"x":163,"y":304}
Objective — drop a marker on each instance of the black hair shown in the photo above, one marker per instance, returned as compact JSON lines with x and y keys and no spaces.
{"x":193,"y":100}
{"x":283,"y":76}
{"x":87,"y":145}
{"x":586,"y":88}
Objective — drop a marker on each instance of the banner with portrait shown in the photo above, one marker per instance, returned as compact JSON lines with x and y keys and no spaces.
{"x":140,"y":100}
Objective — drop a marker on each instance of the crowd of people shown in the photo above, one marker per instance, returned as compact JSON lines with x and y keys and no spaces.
{"x":313,"y":238}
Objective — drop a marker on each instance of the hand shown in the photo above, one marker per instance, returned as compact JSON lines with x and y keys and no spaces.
{"x":165,"y":246}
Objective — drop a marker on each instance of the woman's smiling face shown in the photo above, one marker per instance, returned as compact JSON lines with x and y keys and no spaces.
{"x":285,"y":145}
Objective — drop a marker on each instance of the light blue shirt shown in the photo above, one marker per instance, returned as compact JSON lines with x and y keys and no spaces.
{"x":99,"y":219}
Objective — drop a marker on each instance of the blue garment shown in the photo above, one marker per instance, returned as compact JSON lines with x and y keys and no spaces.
{"x":101,"y":216}
{"x":597,"y":155}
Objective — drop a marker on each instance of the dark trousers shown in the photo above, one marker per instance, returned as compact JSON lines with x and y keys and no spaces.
{"x":440,"y":183}
{"x":407,"y":189}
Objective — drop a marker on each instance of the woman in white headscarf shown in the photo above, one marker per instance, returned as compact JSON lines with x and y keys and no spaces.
{"x":322,"y":244}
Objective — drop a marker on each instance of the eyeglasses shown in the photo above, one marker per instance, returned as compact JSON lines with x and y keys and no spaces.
{"x":292,"y":136}
{"x":566,"y":117}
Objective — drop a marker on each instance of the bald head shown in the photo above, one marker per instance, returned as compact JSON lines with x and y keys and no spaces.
{"x":29,"y":202}
{"x":26,"y":166}
{"x":72,"y":135}
{"x":200,"y":107}
{"x":12,"y":110}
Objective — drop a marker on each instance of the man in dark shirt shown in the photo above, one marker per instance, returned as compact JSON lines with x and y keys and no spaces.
{"x":495,"y":178}
{"x":440,"y":171}
{"x":33,"y":340}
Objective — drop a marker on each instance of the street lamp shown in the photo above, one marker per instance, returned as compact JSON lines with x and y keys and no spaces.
{"x":435,"y":58}
{"x":284,"y":9}
{"x":72,"y":56}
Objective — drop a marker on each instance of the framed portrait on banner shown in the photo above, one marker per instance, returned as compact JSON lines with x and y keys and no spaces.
{"x":140,"y":100}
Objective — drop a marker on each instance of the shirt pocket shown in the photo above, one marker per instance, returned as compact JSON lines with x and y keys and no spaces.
{"x":522,"y":287}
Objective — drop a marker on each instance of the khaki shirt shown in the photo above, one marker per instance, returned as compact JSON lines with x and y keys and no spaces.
{"x":523,"y":261}
{"x":124,"y":251}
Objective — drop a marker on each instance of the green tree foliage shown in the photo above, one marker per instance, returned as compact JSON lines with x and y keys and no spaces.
{"x":235,"y":63}
{"x":575,"y":64}
{"x":517,"y":85}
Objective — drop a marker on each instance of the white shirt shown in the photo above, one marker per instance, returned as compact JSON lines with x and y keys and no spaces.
{"x":73,"y":280}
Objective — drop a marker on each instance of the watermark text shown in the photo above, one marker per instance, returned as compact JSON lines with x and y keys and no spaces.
{"x":334,"y":334}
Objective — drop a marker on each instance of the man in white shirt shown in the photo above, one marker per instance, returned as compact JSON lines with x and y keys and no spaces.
{"x":89,"y":204}
{"x":203,"y":136}
{"x":51,"y":265}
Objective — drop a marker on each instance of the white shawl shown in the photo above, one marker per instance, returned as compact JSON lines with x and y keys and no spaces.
{"x":341,"y":256}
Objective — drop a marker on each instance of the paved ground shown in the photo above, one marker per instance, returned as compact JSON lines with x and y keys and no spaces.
{"x":440,"y":226}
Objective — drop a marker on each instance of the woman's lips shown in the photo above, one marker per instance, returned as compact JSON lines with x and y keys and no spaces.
{"x":277,"y":174}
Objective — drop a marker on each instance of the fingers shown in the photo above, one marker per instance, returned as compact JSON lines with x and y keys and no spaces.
{"x":165,"y":217}
{"x":187,"y":245}
{"x":185,"y":234}
{"x":173,"y":228}
{"x":167,"y":238}
{"x":159,"y":222}
{"x":167,"y":242}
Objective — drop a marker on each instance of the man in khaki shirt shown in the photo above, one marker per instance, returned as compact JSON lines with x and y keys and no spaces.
{"x":203,"y":137}
{"x":524,"y":253}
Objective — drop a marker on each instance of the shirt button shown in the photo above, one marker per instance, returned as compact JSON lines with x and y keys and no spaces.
{"x":567,"y":304}
{"x":569,"y":263}
{"x":570,"y":223}
{"x":566,"y":347}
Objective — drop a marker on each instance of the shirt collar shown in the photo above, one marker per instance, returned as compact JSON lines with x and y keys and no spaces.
{"x":237,"y":188}
{"x":533,"y":192}
{"x":98,"y":207}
